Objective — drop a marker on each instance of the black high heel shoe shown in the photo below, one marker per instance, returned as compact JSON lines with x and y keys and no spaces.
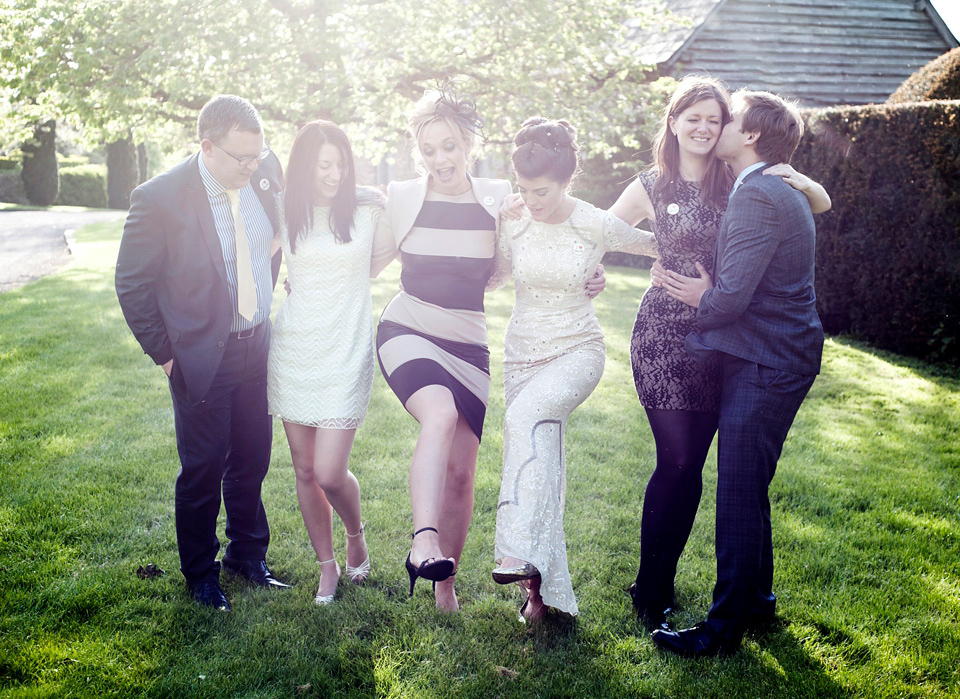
{"x":437,"y":569}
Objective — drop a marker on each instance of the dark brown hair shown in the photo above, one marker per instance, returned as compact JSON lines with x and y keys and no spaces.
{"x":717,"y":180}
{"x":777,"y":121}
{"x":546,"y":148}
{"x":301,"y":173}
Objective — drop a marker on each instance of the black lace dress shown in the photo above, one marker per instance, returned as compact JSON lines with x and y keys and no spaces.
{"x":665,"y":375}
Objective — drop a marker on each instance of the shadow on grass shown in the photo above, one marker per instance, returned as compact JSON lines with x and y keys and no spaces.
{"x":864,"y":539}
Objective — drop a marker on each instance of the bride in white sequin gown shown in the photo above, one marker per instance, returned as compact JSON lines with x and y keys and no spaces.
{"x":553,"y":354}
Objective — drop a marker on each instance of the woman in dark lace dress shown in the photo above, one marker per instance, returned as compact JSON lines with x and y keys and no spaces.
{"x":684,"y":195}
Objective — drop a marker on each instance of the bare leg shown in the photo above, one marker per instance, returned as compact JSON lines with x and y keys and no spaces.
{"x":314,"y":507}
{"x":534,"y":609}
{"x":434,"y":409}
{"x":331,"y":457}
{"x":456,"y":506}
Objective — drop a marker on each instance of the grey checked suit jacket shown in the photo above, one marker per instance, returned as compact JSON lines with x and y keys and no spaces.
{"x":762,"y":306}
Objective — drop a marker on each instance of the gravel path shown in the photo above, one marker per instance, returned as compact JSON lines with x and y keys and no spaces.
{"x":35,"y":243}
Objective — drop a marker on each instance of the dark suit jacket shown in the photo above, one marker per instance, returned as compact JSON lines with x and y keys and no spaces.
{"x":762,"y":306}
{"x":171,"y":277}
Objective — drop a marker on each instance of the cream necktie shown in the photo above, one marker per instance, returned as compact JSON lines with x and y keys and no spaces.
{"x":246,"y":288}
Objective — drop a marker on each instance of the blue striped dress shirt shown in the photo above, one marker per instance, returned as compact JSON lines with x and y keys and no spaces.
{"x":259,"y":235}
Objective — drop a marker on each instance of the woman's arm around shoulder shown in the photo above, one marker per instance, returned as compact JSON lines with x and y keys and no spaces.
{"x":384,"y":249}
{"x":813,"y":191}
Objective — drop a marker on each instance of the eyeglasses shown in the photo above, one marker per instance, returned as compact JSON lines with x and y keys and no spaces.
{"x":246,"y":159}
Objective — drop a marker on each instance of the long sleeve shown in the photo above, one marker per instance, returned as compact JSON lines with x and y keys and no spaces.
{"x":384,"y":244}
{"x":139,"y":272}
{"x":748,"y":245}
{"x":621,"y":236}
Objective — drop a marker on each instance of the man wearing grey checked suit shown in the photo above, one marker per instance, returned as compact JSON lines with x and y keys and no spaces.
{"x":760,"y":314}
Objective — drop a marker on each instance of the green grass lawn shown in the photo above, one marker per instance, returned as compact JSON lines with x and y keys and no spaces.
{"x":866,"y":507}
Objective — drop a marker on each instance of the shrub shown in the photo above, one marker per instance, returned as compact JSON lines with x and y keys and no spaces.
{"x":888,"y":253}
{"x":11,"y":187}
{"x":938,"y":80}
{"x":40,"y":165}
{"x":83,"y":185}
{"x":72,"y":160}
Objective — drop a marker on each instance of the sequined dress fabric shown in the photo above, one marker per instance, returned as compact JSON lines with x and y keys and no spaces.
{"x":320,"y":369}
{"x":553,"y":359}
{"x":665,"y":375}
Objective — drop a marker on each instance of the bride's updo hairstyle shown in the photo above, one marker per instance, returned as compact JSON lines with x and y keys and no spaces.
{"x":546,"y":148}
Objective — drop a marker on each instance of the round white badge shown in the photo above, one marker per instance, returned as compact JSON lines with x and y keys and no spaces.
{"x":264,"y":184}
{"x":673,"y":209}
{"x":488,"y":201}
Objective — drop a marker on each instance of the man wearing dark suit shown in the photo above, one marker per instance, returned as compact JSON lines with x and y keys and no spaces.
{"x":761,"y":316}
{"x":194,"y":281}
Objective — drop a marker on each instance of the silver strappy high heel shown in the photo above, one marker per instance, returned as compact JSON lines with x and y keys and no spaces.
{"x":361,"y":572}
{"x":324,"y":600}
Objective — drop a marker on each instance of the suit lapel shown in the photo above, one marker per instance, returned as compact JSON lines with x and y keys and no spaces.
{"x":208,"y":230}
{"x":721,"y":241}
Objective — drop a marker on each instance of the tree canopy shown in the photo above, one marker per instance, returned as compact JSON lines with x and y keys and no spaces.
{"x":140,"y":67}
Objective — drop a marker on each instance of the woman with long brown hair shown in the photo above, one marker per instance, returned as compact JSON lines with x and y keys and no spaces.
{"x":320,"y":369}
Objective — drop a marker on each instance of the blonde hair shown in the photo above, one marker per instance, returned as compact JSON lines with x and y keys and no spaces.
{"x":429,"y":109}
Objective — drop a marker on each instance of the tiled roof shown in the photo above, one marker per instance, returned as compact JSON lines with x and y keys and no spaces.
{"x":820,"y":52}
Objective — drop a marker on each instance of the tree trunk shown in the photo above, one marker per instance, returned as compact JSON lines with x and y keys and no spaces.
{"x":40,"y":178}
{"x":122,"y":173}
{"x":143,"y":163}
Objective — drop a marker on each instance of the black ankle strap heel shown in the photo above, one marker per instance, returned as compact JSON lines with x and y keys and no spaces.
{"x":435,"y":569}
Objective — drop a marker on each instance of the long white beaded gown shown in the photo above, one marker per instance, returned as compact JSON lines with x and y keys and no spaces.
{"x":320,"y":369}
{"x":553,"y":359}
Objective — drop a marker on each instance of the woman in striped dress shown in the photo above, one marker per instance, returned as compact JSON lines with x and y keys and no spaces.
{"x":432,"y":338}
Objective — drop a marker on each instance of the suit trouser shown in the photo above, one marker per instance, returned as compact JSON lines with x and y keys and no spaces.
{"x":757,"y":407}
{"x":224,"y":444}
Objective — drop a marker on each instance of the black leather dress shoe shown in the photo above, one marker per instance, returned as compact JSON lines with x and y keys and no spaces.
{"x":760,"y":622}
{"x":696,"y":642}
{"x":209,"y":594}
{"x":254,"y":571}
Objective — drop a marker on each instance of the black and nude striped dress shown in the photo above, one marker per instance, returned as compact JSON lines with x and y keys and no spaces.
{"x":433,"y":332}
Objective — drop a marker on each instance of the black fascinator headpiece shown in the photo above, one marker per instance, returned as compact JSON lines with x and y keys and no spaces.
{"x":462,"y":109}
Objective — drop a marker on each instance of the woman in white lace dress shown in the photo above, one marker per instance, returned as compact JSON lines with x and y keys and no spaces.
{"x":320,"y":369}
{"x":553,"y":356}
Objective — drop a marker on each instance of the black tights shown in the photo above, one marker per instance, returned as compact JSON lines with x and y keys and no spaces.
{"x":683,"y":438}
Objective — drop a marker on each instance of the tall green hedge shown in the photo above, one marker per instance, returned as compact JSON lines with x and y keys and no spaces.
{"x":122,"y":173}
{"x":83,"y":185}
{"x":938,"y":80}
{"x":888,"y":253}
